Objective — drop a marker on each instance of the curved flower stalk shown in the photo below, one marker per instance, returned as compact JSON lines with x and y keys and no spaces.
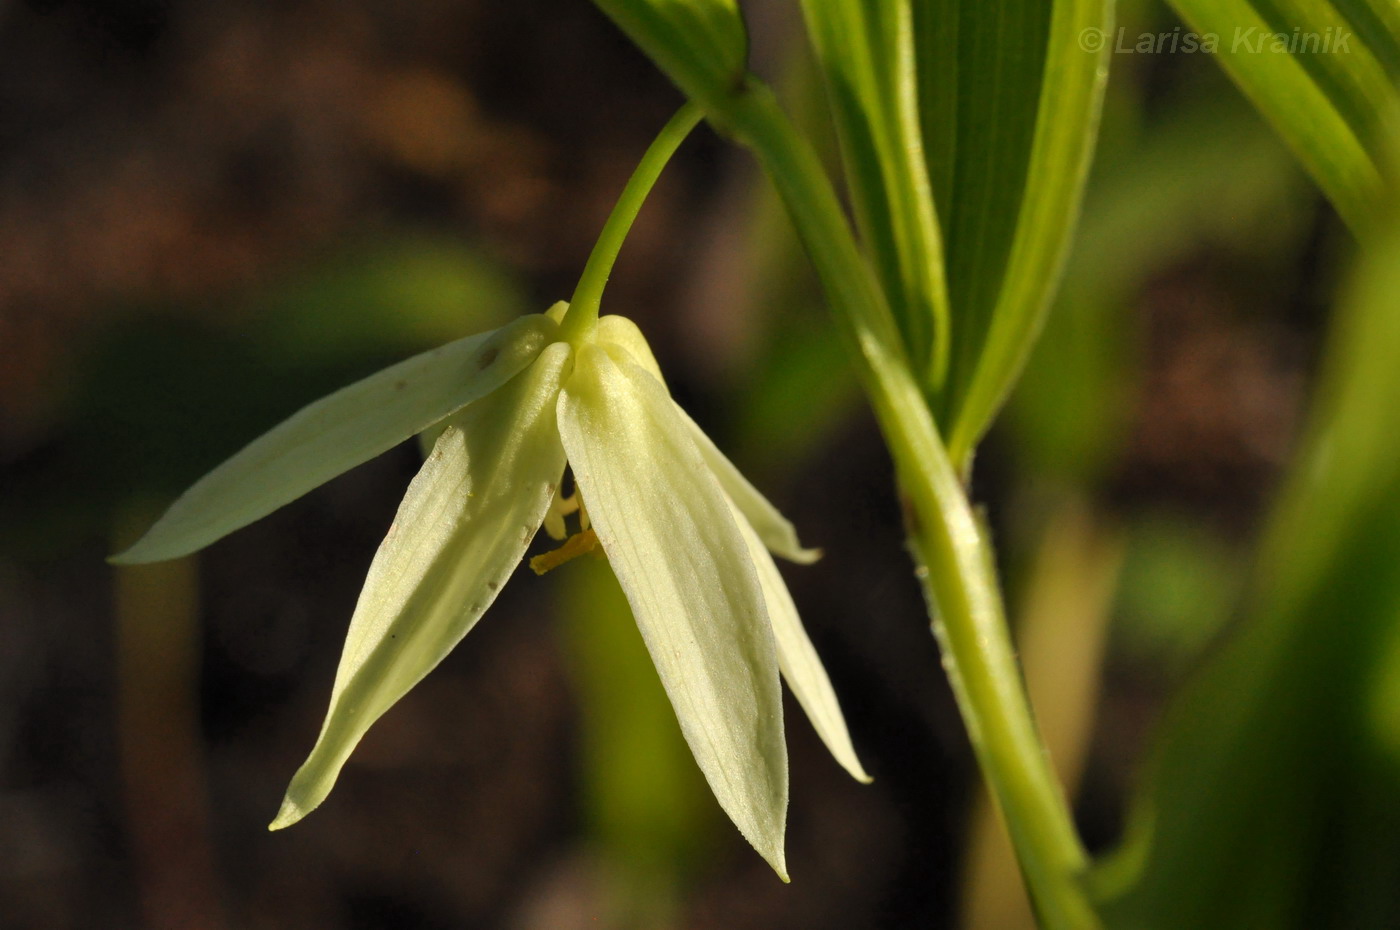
{"x":688,"y":537}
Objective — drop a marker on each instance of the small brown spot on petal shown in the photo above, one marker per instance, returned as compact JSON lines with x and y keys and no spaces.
{"x":485,"y":359}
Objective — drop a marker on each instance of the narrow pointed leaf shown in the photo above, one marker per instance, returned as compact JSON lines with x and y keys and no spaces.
{"x":1331,"y":106}
{"x":461,"y":530}
{"x":1377,"y":25}
{"x":667,"y":529}
{"x":981,"y":67}
{"x":866,"y":50}
{"x":1271,"y":797}
{"x":1070,"y":97}
{"x":1342,"y":65}
{"x":337,"y":433}
{"x":798,"y":660}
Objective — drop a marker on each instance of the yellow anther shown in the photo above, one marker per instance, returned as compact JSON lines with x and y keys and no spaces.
{"x":576,"y":545}
{"x":559,"y":508}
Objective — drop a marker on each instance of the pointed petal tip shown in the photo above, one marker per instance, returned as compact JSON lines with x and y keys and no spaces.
{"x":151,"y":547}
{"x":776,"y":858}
{"x":135,"y":555}
{"x":780,"y":867}
{"x":802,"y":556}
{"x":142,"y":552}
{"x":847,"y":759}
{"x":289,"y":813}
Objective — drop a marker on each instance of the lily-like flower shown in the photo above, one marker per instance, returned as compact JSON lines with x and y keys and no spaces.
{"x":688,"y":537}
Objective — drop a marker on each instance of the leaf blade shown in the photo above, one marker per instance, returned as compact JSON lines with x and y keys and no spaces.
{"x":866,"y":49}
{"x":1066,"y":126}
{"x":1334,"y":150}
{"x":1259,"y":809}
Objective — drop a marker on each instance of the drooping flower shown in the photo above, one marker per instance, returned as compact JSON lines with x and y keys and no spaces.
{"x":687,"y":536}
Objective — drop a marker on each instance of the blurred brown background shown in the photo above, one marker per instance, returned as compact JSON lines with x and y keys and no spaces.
{"x":212,"y":213}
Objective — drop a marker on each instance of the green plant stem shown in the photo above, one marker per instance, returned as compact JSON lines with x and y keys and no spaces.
{"x":945,"y":537}
{"x":588,"y":293}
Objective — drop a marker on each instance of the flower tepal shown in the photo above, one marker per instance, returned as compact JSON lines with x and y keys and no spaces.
{"x":688,"y":537}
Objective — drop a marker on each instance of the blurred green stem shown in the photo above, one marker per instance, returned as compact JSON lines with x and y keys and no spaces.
{"x":945,"y":537}
{"x":583,"y":308}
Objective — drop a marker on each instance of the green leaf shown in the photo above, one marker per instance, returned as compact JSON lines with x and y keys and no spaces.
{"x":1332,"y":106}
{"x":1017,"y":188}
{"x":337,"y":433}
{"x":462,"y":528}
{"x":866,"y":51}
{"x":1341,"y":65}
{"x":1272,"y":796}
{"x":666,"y":527}
{"x":980,"y":70}
{"x":702,"y":45}
{"x":1377,"y":25}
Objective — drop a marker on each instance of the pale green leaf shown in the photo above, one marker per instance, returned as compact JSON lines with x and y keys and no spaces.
{"x":667,"y":530}
{"x":1066,"y":125}
{"x":1340,"y":63}
{"x":798,"y":660}
{"x":866,"y":51}
{"x":338,"y":432}
{"x":1377,"y":25}
{"x":463,"y":526}
{"x":1330,"y":108}
{"x":1271,"y":797}
{"x":980,"y":69}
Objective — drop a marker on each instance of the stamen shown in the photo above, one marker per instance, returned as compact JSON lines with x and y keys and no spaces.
{"x":559,"y":508}
{"x":577,"y":545}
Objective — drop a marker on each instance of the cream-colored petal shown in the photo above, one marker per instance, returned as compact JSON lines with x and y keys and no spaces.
{"x":667,"y":530}
{"x":620,"y":331}
{"x":801,"y":667}
{"x":338,"y":432}
{"x":462,"y":528}
{"x":776,"y":531}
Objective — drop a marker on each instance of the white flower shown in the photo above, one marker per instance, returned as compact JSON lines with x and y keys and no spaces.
{"x":688,"y":537}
